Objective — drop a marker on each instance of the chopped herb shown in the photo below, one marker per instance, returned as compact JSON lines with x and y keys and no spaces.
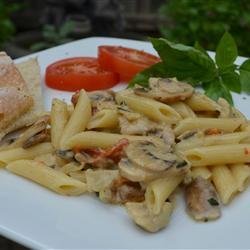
{"x":181,"y":164}
{"x":213,"y":202}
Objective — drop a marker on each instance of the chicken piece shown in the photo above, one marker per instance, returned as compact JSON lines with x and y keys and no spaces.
{"x":146,"y":220}
{"x":165,"y":90}
{"x":100,"y":179}
{"x":121,"y":191}
{"x":202,"y":200}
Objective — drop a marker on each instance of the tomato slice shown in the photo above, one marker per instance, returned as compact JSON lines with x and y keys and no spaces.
{"x":79,"y":73}
{"x":126,"y":62}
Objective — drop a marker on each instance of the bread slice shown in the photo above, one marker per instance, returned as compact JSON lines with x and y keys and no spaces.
{"x":30,"y":71}
{"x":9,"y":74}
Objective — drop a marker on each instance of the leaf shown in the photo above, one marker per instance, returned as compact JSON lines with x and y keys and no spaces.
{"x":216,"y":89}
{"x":66,"y":28}
{"x":245,"y":65}
{"x":184,"y":62}
{"x":200,"y":48}
{"x":232,"y":81}
{"x":245,"y":76}
{"x":156,"y":70}
{"x":39,"y":46}
{"x":245,"y":80}
{"x":226,"y":51}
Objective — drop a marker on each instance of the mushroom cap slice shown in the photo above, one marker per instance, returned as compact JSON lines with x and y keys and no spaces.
{"x":134,"y":173}
{"x":148,"y":221}
{"x":154,"y":157}
{"x":202,"y":200}
{"x":166,"y":90}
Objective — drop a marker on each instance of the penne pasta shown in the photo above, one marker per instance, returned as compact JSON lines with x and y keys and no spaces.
{"x":159,"y":190}
{"x":101,"y":139}
{"x":220,"y":139}
{"x":79,"y":118}
{"x":47,"y":177}
{"x":219,"y":154}
{"x":224,"y":182}
{"x":183,"y":109}
{"x":203,"y":172}
{"x":241,"y":173}
{"x":200,"y":102}
{"x":59,"y":118}
{"x":71,"y":167}
{"x":106,"y":118}
{"x":225,"y":124}
{"x":14,"y":154}
{"x":153,"y":109}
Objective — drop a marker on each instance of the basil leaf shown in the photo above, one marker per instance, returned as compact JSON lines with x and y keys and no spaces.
{"x":201,"y":49}
{"x":185,"y":62}
{"x":245,"y":65}
{"x":245,"y":80}
{"x":156,"y":70}
{"x":245,"y":76}
{"x":216,"y":89}
{"x":227,"y":69}
{"x":226,"y":51}
{"x":232,"y":81}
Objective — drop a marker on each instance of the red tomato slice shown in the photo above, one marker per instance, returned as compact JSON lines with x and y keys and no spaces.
{"x":125,"y":61}
{"x":79,"y":73}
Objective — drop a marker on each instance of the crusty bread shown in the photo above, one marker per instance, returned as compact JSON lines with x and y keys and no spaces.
{"x":9,"y":74}
{"x":30,"y":72}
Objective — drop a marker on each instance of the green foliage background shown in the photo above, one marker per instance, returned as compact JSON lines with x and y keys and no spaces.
{"x":206,"y":21}
{"x":7,"y":27}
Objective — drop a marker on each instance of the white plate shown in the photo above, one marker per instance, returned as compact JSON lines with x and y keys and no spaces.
{"x":38,"y":218}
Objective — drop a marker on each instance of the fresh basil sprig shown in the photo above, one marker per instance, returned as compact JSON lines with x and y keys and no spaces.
{"x":194,"y":65}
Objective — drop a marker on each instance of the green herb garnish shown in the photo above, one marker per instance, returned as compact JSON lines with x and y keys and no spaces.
{"x":195,"y":66}
{"x":213,"y":202}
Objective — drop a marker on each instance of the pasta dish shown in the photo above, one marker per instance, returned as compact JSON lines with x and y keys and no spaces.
{"x":138,"y":147}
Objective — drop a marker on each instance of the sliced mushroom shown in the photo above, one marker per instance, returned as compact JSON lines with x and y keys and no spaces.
{"x":202,"y":200}
{"x":136,"y":174}
{"x":139,"y":125}
{"x":66,"y":154}
{"x":164,"y":132}
{"x":100,"y":99}
{"x":35,"y":134}
{"x":145,"y":219}
{"x":123,"y":190}
{"x":35,"y":139}
{"x":165,"y":90}
{"x":132,"y":123}
{"x":154,"y":157}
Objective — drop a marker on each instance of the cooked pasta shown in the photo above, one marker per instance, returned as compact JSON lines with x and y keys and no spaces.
{"x":79,"y":118}
{"x":47,"y":177}
{"x":136,"y":147}
{"x":224,"y":182}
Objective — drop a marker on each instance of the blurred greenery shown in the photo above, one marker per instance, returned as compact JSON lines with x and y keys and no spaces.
{"x":7,"y":27}
{"x":53,"y":36}
{"x":206,"y":21}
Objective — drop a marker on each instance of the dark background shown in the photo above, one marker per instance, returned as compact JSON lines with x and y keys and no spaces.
{"x":32,"y":25}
